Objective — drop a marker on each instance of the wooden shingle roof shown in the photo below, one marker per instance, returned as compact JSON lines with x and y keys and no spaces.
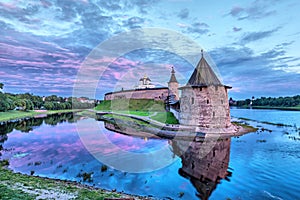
{"x":203,"y":75}
{"x":173,"y":77}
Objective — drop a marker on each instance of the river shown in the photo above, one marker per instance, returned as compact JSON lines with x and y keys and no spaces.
{"x":260,"y":165}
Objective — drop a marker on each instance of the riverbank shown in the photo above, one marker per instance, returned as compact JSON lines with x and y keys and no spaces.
{"x":20,"y":186}
{"x":14,"y":115}
{"x":296,"y":108}
{"x":143,"y":126}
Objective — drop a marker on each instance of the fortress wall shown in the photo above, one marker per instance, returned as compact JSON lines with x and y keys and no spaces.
{"x":156,"y":94}
{"x":206,"y":107}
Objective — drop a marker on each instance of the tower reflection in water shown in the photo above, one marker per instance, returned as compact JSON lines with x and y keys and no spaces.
{"x":204,"y":163}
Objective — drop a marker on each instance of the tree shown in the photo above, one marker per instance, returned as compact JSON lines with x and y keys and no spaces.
{"x":49,"y":106}
{"x":24,"y":103}
{"x":4,"y":104}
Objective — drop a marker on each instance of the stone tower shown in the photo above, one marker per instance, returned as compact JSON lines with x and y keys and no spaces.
{"x":173,"y":86}
{"x":204,"y":99}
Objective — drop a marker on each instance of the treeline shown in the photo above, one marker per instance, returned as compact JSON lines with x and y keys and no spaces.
{"x":271,"y":101}
{"x":27,"y":125}
{"x":29,"y":101}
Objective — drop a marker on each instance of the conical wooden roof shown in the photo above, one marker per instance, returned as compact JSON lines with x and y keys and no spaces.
{"x":173,"y":77}
{"x":203,"y":75}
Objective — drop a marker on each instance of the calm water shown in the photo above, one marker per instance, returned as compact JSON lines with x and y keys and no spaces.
{"x":260,"y":165}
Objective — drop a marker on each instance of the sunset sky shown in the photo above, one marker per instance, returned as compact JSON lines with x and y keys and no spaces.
{"x":254,"y":44}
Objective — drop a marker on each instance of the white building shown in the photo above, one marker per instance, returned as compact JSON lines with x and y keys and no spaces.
{"x":145,"y":82}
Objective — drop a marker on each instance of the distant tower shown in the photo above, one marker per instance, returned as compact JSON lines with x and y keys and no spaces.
{"x":204,"y":99}
{"x":173,"y":86}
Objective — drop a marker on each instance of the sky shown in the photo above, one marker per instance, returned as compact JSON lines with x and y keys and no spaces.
{"x":45,"y":44}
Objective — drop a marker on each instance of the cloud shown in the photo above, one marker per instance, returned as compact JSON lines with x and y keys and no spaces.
{"x":236,"y":10}
{"x":183,"y":14}
{"x":198,"y":27}
{"x":257,"y":73}
{"x":110,"y":5}
{"x":182,"y":25}
{"x":134,"y":22}
{"x":143,"y":6}
{"x":254,"y":36}
{"x":236,"y":29}
{"x":258,"y":9}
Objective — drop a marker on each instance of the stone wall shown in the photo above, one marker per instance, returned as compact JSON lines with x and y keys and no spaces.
{"x":149,"y":93}
{"x":206,"y":107}
{"x":173,"y":89}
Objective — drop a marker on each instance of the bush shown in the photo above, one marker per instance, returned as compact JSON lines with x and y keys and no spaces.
{"x":4,"y":163}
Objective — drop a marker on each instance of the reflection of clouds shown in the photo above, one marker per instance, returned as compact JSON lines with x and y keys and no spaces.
{"x":107,"y":152}
{"x":45,"y":144}
{"x":124,"y":142}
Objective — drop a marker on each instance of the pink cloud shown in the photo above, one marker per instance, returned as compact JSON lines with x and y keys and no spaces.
{"x":8,"y":5}
{"x":15,"y":76}
{"x":54,"y":90}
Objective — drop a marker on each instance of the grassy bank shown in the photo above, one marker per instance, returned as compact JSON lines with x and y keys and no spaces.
{"x":163,"y":117}
{"x":155,"y":110}
{"x":245,"y":126}
{"x":141,"y":105}
{"x":13,"y":114}
{"x":20,"y":186}
{"x":295,"y":108}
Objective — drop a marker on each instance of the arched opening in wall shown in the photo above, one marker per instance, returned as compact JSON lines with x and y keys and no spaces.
{"x":216,"y":88}
{"x":193,"y":100}
{"x":207,"y":101}
{"x":200,"y":89}
{"x":214,"y":114}
{"x":222,"y":101}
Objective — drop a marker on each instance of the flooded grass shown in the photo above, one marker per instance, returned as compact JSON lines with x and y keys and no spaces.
{"x":103,"y":168}
{"x":19,"y":186}
{"x":246,"y":126}
{"x":265,"y":122}
{"x":261,"y":141}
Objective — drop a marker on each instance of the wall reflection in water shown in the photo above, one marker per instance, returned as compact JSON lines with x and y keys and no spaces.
{"x":204,"y":163}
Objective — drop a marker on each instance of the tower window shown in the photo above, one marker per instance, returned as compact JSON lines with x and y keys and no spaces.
{"x":216,"y":88}
{"x":193,"y":101}
{"x":214,"y":114}
{"x":207,"y":101}
{"x":200,"y":89}
{"x":221,"y":101}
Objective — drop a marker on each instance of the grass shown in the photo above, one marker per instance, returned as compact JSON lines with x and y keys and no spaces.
{"x":248,"y":127}
{"x":165,"y":117}
{"x":265,"y":122}
{"x":295,"y":108}
{"x":138,"y":113}
{"x":141,"y":106}
{"x":125,"y":119}
{"x":13,"y":114}
{"x":7,"y":193}
{"x":20,"y":186}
